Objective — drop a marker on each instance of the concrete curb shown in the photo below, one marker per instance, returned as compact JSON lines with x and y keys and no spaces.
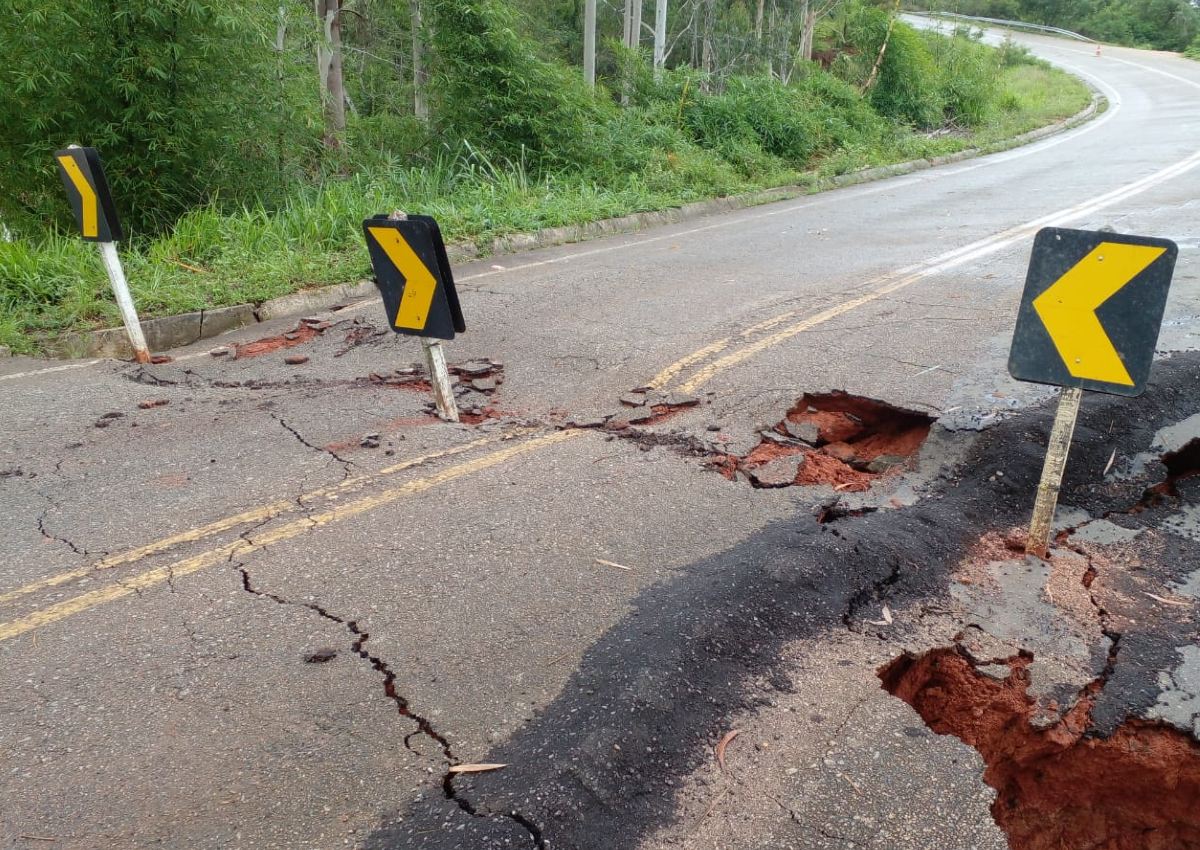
{"x":175,"y":331}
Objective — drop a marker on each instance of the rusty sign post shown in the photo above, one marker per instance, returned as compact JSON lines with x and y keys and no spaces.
{"x":87,"y":188}
{"x":1089,"y":320}
{"x":413,"y":274}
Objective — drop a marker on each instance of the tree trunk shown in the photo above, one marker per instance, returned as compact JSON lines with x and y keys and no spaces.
{"x":708,"y":55}
{"x":589,"y":42}
{"x":882,"y":51}
{"x":329,"y":68}
{"x":695,"y":29}
{"x":660,"y":36}
{"x":807,"y":29}
{"x":758,"y":21}
{"x":420,"y":75}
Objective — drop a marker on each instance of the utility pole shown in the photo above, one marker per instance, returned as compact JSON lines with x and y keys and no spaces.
{"x":660,"y":36}
{"x":589,"y":42}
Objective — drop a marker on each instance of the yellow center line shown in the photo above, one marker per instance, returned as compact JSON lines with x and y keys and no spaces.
{"x":666,"y":375}
{"x":706,"y":374}
{"x":245,"y":546}
{"x":948,"y":261}
{"x":768,"y":324}
{"x":259,"y":514}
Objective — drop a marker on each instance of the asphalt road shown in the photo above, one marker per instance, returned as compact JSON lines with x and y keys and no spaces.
{"x":275,"y":609}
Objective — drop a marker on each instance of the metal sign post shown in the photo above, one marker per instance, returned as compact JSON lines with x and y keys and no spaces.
{"x":413,"y":274}
{"x":1089,"y":320}
{"x":120,"y":287}
{"x":87,"y":188}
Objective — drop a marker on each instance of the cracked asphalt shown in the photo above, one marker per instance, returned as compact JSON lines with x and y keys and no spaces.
{"x":245,"y":603}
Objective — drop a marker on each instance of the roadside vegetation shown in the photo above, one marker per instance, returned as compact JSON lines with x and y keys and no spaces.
{"x":240,"y":183}
{"x":1153,"y":24}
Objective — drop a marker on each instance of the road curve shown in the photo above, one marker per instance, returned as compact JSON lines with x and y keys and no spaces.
{"x":231,"y":618}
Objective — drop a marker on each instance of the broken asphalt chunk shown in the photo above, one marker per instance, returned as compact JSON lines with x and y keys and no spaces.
{"x":680,"y":400}
{"x":781,"y":472}
{"x":805,"y":432}
{"x":885,"y":463}
{"x":629,"y":416}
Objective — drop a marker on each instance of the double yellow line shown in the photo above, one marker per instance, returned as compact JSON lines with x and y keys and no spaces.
{"x":247,"y":544}
{"x":715,"y":358}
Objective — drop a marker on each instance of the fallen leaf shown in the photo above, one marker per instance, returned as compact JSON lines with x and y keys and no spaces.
{"x":1108,"y":465}
{"x":729,"y":736}
{"x":1166,"y":601}
{"x":887,"y":618}
{"x":612,"y":564}
{"x":475,"y":768}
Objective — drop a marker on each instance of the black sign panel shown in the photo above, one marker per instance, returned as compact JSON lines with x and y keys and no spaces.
{"x":91,"y":201}
{"x":413,"y":274}
{"x":1091,"y":311}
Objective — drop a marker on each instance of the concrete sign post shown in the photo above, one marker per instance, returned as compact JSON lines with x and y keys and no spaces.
{"x":83,"y":177}
{"x":1089,"y":320}
{"x":413,"y":274}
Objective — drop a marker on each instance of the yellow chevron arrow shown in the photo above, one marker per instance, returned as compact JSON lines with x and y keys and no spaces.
{"x":89,"y":205}
{"x":1068,"y":309}
{"x":419,"y":284}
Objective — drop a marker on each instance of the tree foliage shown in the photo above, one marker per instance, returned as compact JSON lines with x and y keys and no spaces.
{"x":1159,"y":24}
{"x":198,"y":103}
{"x":179,"y":95}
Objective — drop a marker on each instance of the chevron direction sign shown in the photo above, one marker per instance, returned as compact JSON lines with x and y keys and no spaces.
{"x":1091,"y":310}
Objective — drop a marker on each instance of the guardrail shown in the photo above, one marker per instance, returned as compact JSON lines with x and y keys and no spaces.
{"x":1017,"y":25}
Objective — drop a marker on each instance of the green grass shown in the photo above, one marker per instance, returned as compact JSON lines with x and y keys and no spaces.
{"x":215,"y":257}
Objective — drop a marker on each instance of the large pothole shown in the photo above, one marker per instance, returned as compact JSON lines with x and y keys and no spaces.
{"x":842,"y":440}
{"x":1059,"y":787}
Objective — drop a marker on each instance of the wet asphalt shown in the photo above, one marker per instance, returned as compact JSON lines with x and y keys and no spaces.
{"x":343,"y":596}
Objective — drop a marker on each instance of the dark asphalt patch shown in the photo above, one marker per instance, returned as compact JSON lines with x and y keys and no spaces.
{"x":598,"y":767}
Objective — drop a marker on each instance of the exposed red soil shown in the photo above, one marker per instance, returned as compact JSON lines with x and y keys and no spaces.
{"x":871,"y":427}
{"x":298,"y":335}
{"x":484,"y":414}
{"x":1059,"y":788}
{"x":401,"y":382}
{"x":822,"y":469}
{"x":663,"y":412}
{"x":766,"y":451}
{"x":850,"y":433}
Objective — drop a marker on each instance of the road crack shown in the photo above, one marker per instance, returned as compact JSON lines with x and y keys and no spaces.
{"x":425,"y":727}
{"x":347,"y":467}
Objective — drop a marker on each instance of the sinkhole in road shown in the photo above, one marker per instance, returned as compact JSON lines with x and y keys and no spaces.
{"x":1061,"y":787}
{"x":846,"y":441}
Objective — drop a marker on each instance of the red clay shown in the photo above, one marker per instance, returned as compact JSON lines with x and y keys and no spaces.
{"x":298,"y":335}
{"x":852,"y":431}
{"x":1059,"y":788}
{"x":822,"y":469}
